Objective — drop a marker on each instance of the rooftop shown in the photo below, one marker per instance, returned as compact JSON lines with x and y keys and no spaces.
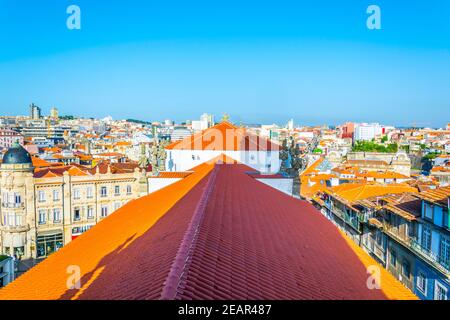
{"x":438,"y":196}
{"x":358,"y":191}
{"x":224,"y":136}
{"x":216,"y":234}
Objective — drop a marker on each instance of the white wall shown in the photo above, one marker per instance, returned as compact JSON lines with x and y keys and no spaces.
{"x":282,"y":184}
{"x":155,"y":184}
{"x":183,"y":160}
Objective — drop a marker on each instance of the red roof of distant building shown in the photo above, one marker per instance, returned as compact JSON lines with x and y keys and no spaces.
{"x":224,"y":136}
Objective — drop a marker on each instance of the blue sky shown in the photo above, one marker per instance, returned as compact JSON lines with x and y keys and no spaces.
{"x":259,"y":61}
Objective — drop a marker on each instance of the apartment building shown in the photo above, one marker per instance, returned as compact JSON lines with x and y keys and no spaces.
{"x":8,"y":137}
{"x":42,"y":209}
{"x":407,"y":232}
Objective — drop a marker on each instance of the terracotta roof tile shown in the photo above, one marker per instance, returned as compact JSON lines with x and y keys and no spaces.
{"x":216,"y":234}
{"x":224,"y":136}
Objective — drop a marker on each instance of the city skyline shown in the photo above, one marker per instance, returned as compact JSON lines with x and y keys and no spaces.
{"x":260,"y":62}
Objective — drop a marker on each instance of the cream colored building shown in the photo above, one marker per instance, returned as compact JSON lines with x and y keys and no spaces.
{"x":378,"y":161}
{"x":43,"y":210}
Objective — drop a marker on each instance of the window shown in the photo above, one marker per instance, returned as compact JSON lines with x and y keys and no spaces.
{"x":128,"y":189}
{"x":11,"y":198}
{"x":117,"y":190}
{"x":17,"y":198}
{"x":103,"y":192}
{"x":56,"y":215}
{"x":444,"y":252}
{"x":55,"y":195}
{"x":422,"y":283}
{"x":393,"y":258}
{"x":19,"y":251}
{"x":77,"y":214}
{"x":11,"y":219}
{"x":48,"y":244}
{"x":428,"y":211}
{"x":104,"y":211}
{"x":76,"y":193}
{"x":18,"y":220}
{"x":116,"y":205}
{"x":89,"y":192}
{"x":90,"y":212}
{"x":426,"y":238}
{"x":41,"y":196}
{"x":440,"y":292}
{"x":406,"y":268}
{"x":41,"y":217}
{"x":379,"y":238}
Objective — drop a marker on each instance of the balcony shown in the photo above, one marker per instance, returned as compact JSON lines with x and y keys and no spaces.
{"x":22,"y":228}
{"x":12,"y":205}
{"x":428,"y":255}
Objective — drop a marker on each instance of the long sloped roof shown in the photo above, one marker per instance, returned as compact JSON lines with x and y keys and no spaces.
{"x":216,"y":234}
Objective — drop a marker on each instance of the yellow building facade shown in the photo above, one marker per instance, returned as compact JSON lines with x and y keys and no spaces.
{"x":39,"y":215}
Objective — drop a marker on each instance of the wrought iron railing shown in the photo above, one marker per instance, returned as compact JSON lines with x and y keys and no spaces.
{"x":438,"y":261}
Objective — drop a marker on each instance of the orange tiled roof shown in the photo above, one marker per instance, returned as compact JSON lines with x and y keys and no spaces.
{"x":109,"y":154}
{"x":39,"y":163}
{"x":358,"y":191}
{"x":53,"y":149}
{"x":123,"y":143}
{"x":382,"y":175}
{"x":137,"y":216}
{"x":224,"y":136}
{"x":439,"y":195}
{"x":138,"y":252}
{"x":59,"y":171}
{"x":172,"y":175}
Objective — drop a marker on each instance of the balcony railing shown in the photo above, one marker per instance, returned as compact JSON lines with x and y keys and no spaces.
{"x":21,"y":228}
{"x":436,"y":260}
{"x":12,"y":205}
{"x":353,"y":222}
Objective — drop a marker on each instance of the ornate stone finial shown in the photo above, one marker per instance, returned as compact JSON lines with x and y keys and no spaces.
{"x":143,"y":159}
{"x":225,"y":117}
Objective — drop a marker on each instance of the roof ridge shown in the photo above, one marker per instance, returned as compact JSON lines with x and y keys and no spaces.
{"x":183,"y":257}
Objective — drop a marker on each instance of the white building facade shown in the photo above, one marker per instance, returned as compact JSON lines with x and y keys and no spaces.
{"x":224,"y":139}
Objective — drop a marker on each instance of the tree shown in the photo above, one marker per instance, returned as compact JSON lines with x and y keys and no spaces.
{"x":370,"y":146}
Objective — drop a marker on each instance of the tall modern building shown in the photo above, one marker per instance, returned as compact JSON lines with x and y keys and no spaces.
{"x":35,"y":112}
{"x":367,"y":131}
{"x":206,"y":121}
{"x":209,"y":118}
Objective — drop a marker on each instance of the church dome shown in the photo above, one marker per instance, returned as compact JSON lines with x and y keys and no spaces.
{"x":17,"y":155}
